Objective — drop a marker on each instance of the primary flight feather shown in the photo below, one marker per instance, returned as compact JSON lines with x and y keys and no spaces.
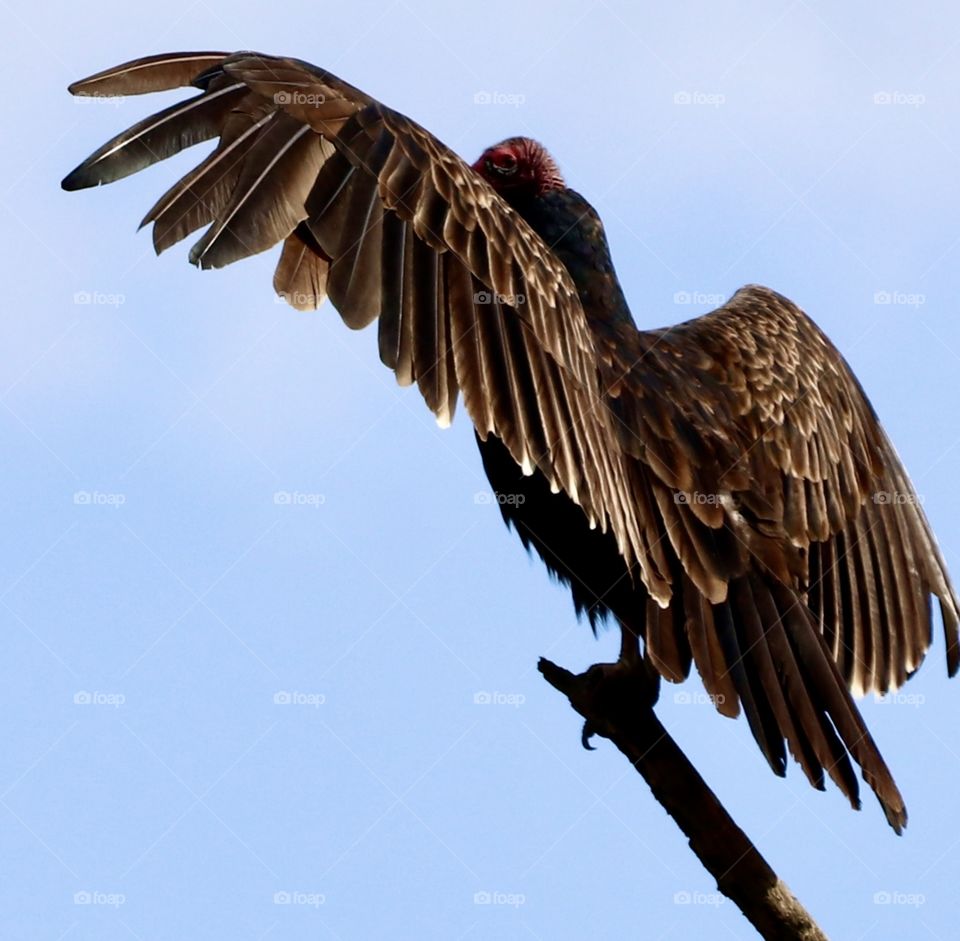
{"x":721,"y":488}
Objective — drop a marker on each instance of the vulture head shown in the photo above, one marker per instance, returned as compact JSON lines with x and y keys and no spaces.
{"x":519,"y":165}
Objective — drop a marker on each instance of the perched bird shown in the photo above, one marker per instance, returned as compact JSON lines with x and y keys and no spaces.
{"x":721,"y":489}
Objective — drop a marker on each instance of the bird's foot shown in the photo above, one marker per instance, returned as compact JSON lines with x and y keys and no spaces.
{"x":608,"y":695}
{"x":624,"y":689}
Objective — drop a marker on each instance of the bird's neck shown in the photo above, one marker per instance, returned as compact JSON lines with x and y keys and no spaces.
{"x":573,"y":232}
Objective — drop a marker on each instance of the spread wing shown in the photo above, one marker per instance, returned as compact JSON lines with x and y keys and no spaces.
{"x":375,"y":212}
{"x":825,"y":482}
{"x":733,"y":459}
{"x":806,"y":563}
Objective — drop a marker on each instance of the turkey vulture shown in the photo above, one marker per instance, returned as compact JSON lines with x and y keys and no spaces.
{"x":721,"y":488}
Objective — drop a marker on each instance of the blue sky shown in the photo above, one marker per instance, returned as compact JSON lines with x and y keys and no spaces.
{"x":157,"y":600}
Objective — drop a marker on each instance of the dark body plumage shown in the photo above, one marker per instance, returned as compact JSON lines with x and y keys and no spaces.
{"x":585,"y":559}
{"x":721,"y":488}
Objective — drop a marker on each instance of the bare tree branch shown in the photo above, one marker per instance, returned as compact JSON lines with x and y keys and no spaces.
{"x":623,"y":712}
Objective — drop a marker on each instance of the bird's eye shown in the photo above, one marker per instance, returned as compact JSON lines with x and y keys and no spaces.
{"x":504,"y":164}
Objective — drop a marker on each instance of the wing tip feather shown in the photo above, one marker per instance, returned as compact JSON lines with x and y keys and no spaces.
{"x":73,"y":181}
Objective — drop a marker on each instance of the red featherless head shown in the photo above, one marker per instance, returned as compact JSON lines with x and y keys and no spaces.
{"x":519,"y":163}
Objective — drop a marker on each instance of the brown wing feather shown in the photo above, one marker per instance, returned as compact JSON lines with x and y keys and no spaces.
{"x":149,"y":74}
{"x":159,"y":136}
{"x":301,"y":275}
